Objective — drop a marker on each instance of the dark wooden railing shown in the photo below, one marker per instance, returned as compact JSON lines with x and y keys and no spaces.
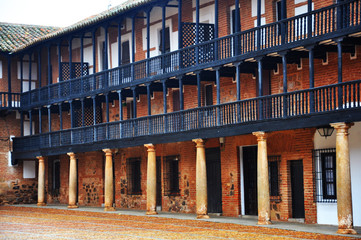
{"x":9,"y":100}
{"x":330,"y":98}
{"x":320,"y":24}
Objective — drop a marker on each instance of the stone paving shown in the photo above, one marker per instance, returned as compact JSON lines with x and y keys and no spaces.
{"x":52,"y":223}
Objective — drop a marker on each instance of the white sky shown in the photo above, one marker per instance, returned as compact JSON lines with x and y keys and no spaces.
{"x":59,"y":13}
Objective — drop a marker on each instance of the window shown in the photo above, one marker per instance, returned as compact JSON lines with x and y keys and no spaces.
{"x":325,"y":175}
{"x":130,"y":109}
{"x":329,"y":175}
{"x":134,"y":176}
{"x":171,"y":175}
{"x":274,"y":177}
{"x":125,"y":53}
{"x":166,"y":42}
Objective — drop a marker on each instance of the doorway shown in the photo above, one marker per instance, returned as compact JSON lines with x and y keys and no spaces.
{"x":249,"y":156}
{"x":214,"y":184}
{"x":298,"y":207}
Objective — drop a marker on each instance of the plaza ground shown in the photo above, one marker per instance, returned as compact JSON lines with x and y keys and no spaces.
{"x":57,"y":222}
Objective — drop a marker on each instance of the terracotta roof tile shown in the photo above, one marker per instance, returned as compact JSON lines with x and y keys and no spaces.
{"x":13,"y":36}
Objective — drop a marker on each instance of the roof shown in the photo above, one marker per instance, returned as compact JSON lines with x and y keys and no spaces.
{"x":13,"y":36}
{"x":128,"y":5}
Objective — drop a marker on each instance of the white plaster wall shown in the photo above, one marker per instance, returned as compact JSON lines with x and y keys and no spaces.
{"x":206,"y":14}
{"x":327,"y":212}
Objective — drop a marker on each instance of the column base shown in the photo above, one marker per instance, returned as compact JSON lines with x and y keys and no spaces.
{"x":151,"y":213}
{"x":346,"y":231}
{"x":264,"y":222}
{"x":73,"y":206}
{"x":202,"y":216}
{"x":41,"y":204}
{"x":109,"y":209}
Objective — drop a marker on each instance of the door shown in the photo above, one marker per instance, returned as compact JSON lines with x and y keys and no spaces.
{"x":250,"y":180}
{"x":214,"y":186}
{"x":159,"y":184}
{"x":298,"y":207}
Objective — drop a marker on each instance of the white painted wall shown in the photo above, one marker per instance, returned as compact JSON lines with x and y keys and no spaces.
{"x":327,"y":212}
{"x":29,"y":169}
{"x":206,"y":14}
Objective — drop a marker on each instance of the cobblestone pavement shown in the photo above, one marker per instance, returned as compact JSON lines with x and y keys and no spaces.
{"x":45,"y":223}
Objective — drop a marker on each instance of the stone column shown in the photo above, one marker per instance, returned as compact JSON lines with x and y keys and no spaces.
{"x":72,"y":181}
{"x":41,"y":182}
{"x":201,"y":180}
{"x":343,"y":179}
{"x":109,"y":183}
{"x":264,"y":209}
{"x":151,"y":180}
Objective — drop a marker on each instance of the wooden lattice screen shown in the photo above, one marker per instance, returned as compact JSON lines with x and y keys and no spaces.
{"x":75,"y":72}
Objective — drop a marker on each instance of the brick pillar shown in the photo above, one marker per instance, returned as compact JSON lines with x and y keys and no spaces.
{"x":108,"y":181}
{"x":264,"y":209}
{"x":201,"y":180}
{"x":151,"y":180}
{"x":41,"y":182}
{"x":343,"y":179}
{"x":72,"y":181}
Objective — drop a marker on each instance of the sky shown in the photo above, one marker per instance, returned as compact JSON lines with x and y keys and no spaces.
{"x":58,"y":13}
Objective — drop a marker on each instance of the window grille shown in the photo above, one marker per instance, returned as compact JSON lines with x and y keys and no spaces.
{"x":274,"y":177}
{"x":134,"y":176}
{"x":324,"y":161}
{"x":171,"y":175}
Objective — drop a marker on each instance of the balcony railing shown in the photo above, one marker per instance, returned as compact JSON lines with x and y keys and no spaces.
{"x":9,"y":100}
{"x":280,"y":106}
{"x":319,"y":24}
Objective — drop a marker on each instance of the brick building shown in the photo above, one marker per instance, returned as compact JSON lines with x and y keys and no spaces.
{"x":204,"y":106}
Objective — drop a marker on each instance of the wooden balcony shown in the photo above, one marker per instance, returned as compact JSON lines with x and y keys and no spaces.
{"x":338,"y":20}
{"x":9,"y":100}
{"x":306,"y":108}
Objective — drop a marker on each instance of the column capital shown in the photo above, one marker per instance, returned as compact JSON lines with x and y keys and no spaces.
{"x":71,"y":155}
{"x":341,"y":127}
{"x":199,"y":142}
{"x":150,"y":147}
{"x":261,"y":136}
{"x":40,"y":158}
{"x":108,"y":152}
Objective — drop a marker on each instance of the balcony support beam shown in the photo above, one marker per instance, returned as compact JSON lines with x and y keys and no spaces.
{"x":39,"y":67}
{"x":30,"y":63}
{"x":151,"y":180}
{"x":260,"y":87}
{"x":180,"y":26}
{"x":40,"y":121}
{"x":105,"y":67}
{"x":81,"y":61}
{"x":133,"y":42}
{"x":94,"y":54}
{"x":61,"y":116}
{"x":22,"y":123}
{"x":70,"y":58}
{"x":164,"y":84}
{"x":94,"y":111}
{"x":49,"y":65}
{"x":149,"y":100}
{"x":197,"y":31}
{"x":49,"y":118}
{"x":120,"y":45}
{"x":163,"y":27}
{"x":284,"y":69}
{"x":9,"y":82}
{"x":21,"y":73}
{"x":82,"y":111}
{"x":238,"y":81}
{"x":199,"y":89}
{"x":134,"y":90}
{"x":181,"y":97}
{"x":71,"y":114}
{"x":120,"y":105}
{"x":31,"y":122}
{"x":311,"y":53}
{"x":339,"y":71}
{"x":107,"y":106}
{"x":59,"y":62}
{"x":237,"y":17}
